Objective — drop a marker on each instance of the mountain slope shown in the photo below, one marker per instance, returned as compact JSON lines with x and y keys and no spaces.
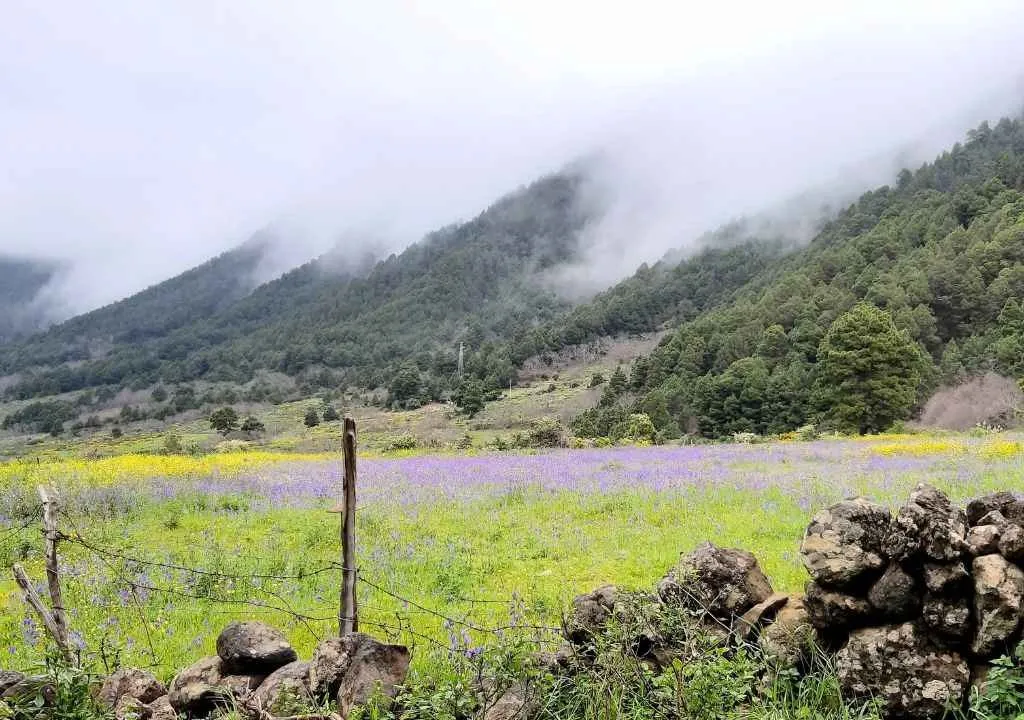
{"x":942,"y":252}
{"x":412,"y":308}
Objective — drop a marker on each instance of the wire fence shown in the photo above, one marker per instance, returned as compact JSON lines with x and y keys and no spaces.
{"x":383,"y":609}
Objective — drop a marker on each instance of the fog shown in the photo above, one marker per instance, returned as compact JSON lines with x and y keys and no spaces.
{"x":139,"y":140}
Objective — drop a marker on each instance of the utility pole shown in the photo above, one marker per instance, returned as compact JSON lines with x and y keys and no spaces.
{"x":462,"y":358}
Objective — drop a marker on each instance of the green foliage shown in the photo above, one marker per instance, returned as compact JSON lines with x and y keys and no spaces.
{"x":1002,"y":695}
{"x":470,"y":397}
{"x":330,"y":414}
{"x":402,"y":442}
{"x":63,"y":692}
{"x":939,"y":254}
{"x":868,"y":371}
{"x":546,"y":432}
{"x":47,"y":416}
{"x":311,"y":419}
{"x":224,"y":420}
{"x":596,"y":379}
{"x":252,"y":425}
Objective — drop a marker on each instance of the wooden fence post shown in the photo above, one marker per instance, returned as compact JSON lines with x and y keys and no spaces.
{"x":54,"y":620}
{"x":349,"y":618}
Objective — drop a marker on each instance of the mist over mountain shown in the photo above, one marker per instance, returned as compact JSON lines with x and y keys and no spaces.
{"x":141,"y":144}
{"x":23,"y":306}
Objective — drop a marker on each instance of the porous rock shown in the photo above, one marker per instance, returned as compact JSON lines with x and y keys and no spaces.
{"x":205,"y":685}
{"x":897,"y":665}
{"x":978,"y":508}
{"x":983,"y":540}
{"x":946,"y":578}
{"x":160,"y":709}
{"x":832,"y":610}
{"x":130,"y":682}
{"x":946,"y":618}
{"x":929,"y":527}
{"x":723,"y":582}
{"x":129,"y":708}
{"x":843,"y":543}
{"x":331,"y":660}
{"x":514,"y":704}
{"x":894,"y":595}
{"x":8,"y":679}
{"x":253,"y":647}
{"x":998,"y":597}
{"x":789,"y":639}
{"x":748,"y":624}
{"x":1011,"y":543}
{"x":375,"y":667}
{"x":590,"y":613}
{"x":285,"y":691}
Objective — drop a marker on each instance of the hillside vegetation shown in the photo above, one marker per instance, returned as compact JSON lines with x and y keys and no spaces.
{"x":935,"y":262}
{"x":912,"y":286}
{"x":360,"y":326}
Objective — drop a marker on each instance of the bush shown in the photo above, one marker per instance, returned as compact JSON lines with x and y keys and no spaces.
{"x":252,"y":425}
{"x":546,"y":432}
{"x":172,"y":444}
{"x":1002,"y":695}
{"x":330,"y":414}
{"x":224,"y":420}
{"x":402,"y":442}
{"x":990,"y":400}
{"x":311,"y":419}
{"x":596,"y":379}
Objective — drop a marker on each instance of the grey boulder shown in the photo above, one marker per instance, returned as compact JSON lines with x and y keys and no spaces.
{"x":843,"y":543}
{"x":253,"y":647}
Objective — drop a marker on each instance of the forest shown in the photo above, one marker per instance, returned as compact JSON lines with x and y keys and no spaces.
{"x":926,"y":274}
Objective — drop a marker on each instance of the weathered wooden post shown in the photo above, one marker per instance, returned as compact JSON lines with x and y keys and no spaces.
{"x":349,"y":618}
{"x":54,"y":620}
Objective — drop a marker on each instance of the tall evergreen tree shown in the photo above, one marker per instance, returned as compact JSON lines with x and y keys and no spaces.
{"x":868,"y":371}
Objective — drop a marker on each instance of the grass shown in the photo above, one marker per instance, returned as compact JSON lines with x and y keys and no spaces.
{"x":479,"y":538}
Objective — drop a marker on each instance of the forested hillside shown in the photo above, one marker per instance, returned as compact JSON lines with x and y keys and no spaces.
{"x":357,"y":325}
{"x":937,"y":263}
{"x":20,"y":282}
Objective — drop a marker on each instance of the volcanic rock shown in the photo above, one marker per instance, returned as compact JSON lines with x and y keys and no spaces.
{"x":897,"y":665}
{"x":719,"y":581}
{"x":130,"y":682}
{"x":895,"y":595}
{"x":375,"y":667}
{"x":928,"y":526}
{"x":998,"y":597}
{"x":843,"y":544}
{"x":249,"y":647}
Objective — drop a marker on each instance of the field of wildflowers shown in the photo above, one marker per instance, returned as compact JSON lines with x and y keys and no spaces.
{"x":484,"y":538}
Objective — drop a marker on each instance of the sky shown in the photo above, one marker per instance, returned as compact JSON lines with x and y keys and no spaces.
{"x":139,"y":139}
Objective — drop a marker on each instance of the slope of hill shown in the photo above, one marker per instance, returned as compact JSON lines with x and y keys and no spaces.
{"x":941,"y":252}
{"x":474,"y":281}
{"x":21,"y":279}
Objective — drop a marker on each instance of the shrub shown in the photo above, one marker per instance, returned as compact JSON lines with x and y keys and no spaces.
{"x":402,"y":442}
{"x":252,"y":425}
{"x":991,"y":400}
{"x":546,"y":432}
{"x":596,"y":379}
{"x":330,"y":414}
{"x":312,"y":419}
{"x":172,"y":444}
{"x":224,"y":420}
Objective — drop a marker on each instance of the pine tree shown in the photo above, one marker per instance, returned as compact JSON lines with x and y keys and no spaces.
{"x":868,"y":371}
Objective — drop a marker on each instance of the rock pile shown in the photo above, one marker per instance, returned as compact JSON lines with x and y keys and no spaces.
{"x":911,"y":602}
{"x":255,"y":668}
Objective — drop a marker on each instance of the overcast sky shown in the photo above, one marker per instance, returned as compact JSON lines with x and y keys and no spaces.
{"x":139,"y":138}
